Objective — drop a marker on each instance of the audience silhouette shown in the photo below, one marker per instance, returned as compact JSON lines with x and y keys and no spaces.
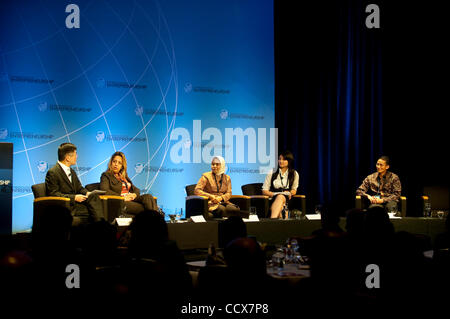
{"x":151,"y":268}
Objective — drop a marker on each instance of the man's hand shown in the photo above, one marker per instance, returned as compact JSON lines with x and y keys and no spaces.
{"x":129,"y":197}
{"x":374,"y":200}
{"x":80,"y":198}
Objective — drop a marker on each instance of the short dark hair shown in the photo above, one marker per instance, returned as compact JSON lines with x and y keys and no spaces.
{"x":64,"y":149}
{"x":385,"y":158}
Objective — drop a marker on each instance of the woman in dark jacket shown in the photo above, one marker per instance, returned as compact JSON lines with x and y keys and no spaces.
{"x":115,"y":181}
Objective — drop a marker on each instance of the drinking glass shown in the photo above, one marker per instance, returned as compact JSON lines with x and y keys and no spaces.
{"x":173,"y":218}
{"x":253,"y":210}
{"x":440,"y":214}
{"x":278,"y":259}
{"x":318,"y":209}
{"x":427,"y":210}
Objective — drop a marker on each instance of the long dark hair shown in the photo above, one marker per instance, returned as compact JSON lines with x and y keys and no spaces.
{"x":288,"y":156}
{"x":123,"y":171}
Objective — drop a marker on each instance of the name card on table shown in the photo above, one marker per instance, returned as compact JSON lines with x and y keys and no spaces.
{"x":251,"y":218}
{"x":313,"y":216}
{"x":392,"y":216}
{"x":198,"y":219}
{"x":123,"y":221}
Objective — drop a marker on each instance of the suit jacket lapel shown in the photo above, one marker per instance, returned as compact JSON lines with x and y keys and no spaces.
{"x":64,"y":176}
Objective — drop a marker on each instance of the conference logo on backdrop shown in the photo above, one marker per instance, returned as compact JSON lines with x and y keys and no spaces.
{"x":42,"y":107}
{"x":224,"y":114}
{"x":139,"y":168}
{"x":42,"y":166}
{"x":188,"y":88}
{"x":3,"y":77}
{"x":229,"y":143}
{"x":100,"y":136}
{"x":103,"y":83}
{"x":25,"y":135}
{"x":30,"y":79}
{"x":139,"y":110}
{"x":3,"y":133}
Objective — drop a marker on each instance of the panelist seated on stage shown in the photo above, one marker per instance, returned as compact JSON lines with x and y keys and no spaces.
{"x":281,"y":184}
{"x":216,"y":185}
{"x":381,"y":188}
{"x":115,"y":181}
{"x":62,"y":181}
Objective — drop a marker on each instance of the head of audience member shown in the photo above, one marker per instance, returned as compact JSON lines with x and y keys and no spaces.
{"x":233,"y":227}
{"x":218,"y":165}
{"x":245,"y":257}
{"x":330,"y":217}
{"x":377,"y":223}
{"x":53,"y":227}
{"x":67,"y":154}
{"x":149,"y":232}
{"x":355,"y":222}
{"x":117,"y":165}
{"x":330,"y":260}
{"x":100,"y":242}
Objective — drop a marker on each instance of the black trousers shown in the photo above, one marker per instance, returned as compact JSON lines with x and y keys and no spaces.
{"x":222,"y":210}
{"x":388,"y":206}
{"x":91,"y":210}
{"x":139,"y":204}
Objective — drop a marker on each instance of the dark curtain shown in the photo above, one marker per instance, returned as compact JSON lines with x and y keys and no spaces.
{"x":346,"y":94}
{"x":329,"y":108}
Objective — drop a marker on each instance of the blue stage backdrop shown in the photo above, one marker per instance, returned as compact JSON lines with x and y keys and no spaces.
{"x":169,"y":83}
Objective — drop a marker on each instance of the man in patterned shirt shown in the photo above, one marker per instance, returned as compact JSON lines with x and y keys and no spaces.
{"x":381,"y":188}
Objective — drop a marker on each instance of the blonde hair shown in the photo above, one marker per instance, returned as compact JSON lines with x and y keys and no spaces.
{"x":123,"y":171}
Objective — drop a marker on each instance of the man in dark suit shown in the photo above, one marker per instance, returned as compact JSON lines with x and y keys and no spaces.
{"x":62,"y":181}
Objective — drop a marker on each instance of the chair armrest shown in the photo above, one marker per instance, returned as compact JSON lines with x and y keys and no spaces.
{"x":298,"y":202}
{"x":358,"y":202}
{"x":48,"y":198}
{"x":403,"y":206}
{"x":106,"y":197}
{"x":242,"y":201}
{"x":196,"y":205}
{"x":191,"y":197}
{"x":240,"y":196}
{"x":261,"y":203}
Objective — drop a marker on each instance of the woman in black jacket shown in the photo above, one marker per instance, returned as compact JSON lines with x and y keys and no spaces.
{"x":115,"y":181}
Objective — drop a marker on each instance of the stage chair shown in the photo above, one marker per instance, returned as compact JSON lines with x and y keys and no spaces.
{"x":112,"y":204}
{"x":257,"y":199}
{"x":195,"y":205}
{"x":41,"y":202}
{"x":198,"y":205}
{"x":401,"y":204}
{"x":298,"y":202}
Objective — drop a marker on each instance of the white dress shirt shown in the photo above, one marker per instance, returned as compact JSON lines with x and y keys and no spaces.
{"x":279,"y":183}
{"x":66,"y":170}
